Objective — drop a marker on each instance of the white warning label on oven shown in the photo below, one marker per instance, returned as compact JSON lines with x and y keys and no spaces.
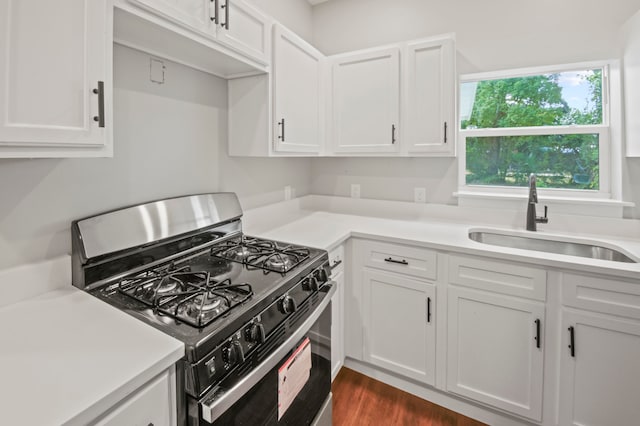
{"x":293,"y":375}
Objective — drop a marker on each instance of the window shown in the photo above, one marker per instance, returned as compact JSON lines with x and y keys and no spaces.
{"x":553,"y":122}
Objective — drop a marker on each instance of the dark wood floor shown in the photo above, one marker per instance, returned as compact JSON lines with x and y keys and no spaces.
{"x":359,"y":400}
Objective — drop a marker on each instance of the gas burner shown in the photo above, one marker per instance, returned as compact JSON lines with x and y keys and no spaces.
{"x":279,"y":262}
{"x":149,"y":286}
{"x":204,"y":303}
{"x":167,"y":286}
{"x":240,"y":253}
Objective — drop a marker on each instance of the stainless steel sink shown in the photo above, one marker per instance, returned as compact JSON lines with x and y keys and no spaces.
{"x":550,"y":246}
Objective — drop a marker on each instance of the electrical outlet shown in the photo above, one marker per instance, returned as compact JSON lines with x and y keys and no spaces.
{"x":355,"y":190}
{"x":419,"y":195}
{"x":287,"y":192}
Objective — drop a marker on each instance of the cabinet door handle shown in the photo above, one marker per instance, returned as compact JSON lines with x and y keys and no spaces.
{"x":445,"y":132}
{"x":393,"y":134}
{"x":214,"y":18}
{"x":401,"y":262}
{"x":537,"y":338}
{"x":335,"y":264}
{"x":226,"y":8}
{"x":281,"y":124}
{"x":428,"y":309}
{"x":100,"y":92}
{"x":572,"y":342}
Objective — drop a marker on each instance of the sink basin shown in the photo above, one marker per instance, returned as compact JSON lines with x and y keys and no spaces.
{"x":570,"y":248}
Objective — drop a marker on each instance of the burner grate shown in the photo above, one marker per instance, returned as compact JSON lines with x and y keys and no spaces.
{"x":190,"y":297}
{"x":262,"y":254}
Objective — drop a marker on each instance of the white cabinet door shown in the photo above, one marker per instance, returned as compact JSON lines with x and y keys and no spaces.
{"x":197,"y":15}
{"x":52,"y":57}
{"x":399,"y":324}
{"x":297,"y":93}
{"x":337,"y":325}
{"x":366,"y":101}
{"x":600,"y":379}
{"x":153,"y":404}
{"x":495,"y":351}
{"x":244,"y":29}
{"x":429,"y":90}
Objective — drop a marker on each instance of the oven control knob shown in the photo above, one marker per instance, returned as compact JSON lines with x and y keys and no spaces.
{"x":310,"y":284}
{"x":313,"y":284}
{"x":232,"y":353}
{"x":287,"y":305}
{"x":321,"y":275}
{"x":255,"y":333}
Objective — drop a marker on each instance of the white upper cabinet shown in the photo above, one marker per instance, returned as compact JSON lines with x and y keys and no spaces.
{"x":429,"y":93}
{"x":366,"y":101}
{"x":232,"y":23}
{"x":298,"y":90}
{"x":243,"y":28}
{"x":195,"y":14}
{"x":55,"y":78}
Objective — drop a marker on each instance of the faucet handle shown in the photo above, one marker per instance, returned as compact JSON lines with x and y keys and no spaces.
{"x":543,"y":219}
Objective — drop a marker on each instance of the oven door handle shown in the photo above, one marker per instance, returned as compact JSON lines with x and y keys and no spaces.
{"x":217,"y":401}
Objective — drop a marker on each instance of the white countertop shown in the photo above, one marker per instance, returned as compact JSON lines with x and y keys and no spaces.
{"x":322,"y":225}
{"x":67,"y":357}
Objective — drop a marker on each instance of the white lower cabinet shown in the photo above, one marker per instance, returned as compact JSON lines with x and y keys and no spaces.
{"x":398,"y":330}
{"x":336,"y":261}
{"x":153,"y":404}
{"x":514,"y":334}
{"x":599,"y":370}
{"x":495,"y":350}
{"x":337,"y":325}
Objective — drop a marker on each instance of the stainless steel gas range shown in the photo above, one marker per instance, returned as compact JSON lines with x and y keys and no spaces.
{"x":254,"y":314}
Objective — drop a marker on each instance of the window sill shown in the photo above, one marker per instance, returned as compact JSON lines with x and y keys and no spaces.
{"x":579,"y":206}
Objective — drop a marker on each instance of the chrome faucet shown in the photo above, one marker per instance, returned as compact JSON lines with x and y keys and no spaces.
{"x":532,"y":219}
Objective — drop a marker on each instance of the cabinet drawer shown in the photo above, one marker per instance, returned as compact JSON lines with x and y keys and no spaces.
{"x":152,"y":404}
{"x":497,"y":276}
{"x":336,"y":260}
{"x":418,"y":262}
{"x":602,"y":294}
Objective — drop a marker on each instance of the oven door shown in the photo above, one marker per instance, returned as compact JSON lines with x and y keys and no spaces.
{"x":292,"y":386}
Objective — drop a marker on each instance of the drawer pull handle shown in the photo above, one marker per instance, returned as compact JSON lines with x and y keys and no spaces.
{"x":572,"y":342}
{"x":336,"y":263}
{"x":392,"y":260}
{"x":537,"y":338}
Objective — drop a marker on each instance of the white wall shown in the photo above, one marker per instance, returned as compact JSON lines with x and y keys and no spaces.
{"x":166,"y":140}
{"x":169,"y":140}
{"x":490,"y":35}
{"x":296,"y":15}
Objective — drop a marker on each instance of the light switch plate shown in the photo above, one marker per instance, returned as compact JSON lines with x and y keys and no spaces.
{"x":355,"y":190}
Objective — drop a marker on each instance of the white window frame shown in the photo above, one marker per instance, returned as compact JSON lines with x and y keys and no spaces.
{"x":608,"y":131}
